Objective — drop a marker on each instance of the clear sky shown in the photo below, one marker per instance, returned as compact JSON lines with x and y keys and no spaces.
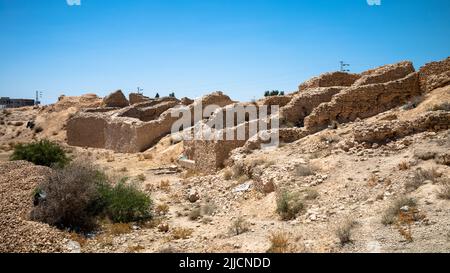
{"x":191,"y":47}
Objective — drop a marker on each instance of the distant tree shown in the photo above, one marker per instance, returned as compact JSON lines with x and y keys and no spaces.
{"x":267,"y":94}
{"x":282,"y":93}
{"x":172,"y":95}
{"x":157,"y":96}
{"x":274,"y":93}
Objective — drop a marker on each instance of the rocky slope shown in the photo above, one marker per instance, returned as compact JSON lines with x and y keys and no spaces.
{"x":391,"y":140}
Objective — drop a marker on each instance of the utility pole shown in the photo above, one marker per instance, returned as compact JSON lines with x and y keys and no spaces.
{"x":38,"y":96}
{"x":344,"y":67}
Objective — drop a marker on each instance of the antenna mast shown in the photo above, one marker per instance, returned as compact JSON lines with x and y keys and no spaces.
{"x":344,"y":67}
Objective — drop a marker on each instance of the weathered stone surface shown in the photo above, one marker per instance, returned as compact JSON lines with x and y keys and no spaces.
{"x":137,"y":98}
{"x":286,"y":135}
{"x":133,"y":129}
{"x":304,"y":102}
{"x":87,"y":130}
{"x":209,"y":156}
{"x":363,"y":102}
{"x":385,"y":73}
{"x":330,"y":79}
{"x":434,"y":75}
{"x":275,"y":100}
{"x":116,"y":99}
{"x":383,"y":131}
{"x":186,"y":101}
{"x":148,"y":113}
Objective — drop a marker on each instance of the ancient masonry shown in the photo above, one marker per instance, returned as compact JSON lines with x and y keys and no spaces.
{"x":136,"y":124}
{"x":130,"y":129}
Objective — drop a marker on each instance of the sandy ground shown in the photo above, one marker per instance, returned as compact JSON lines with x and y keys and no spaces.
{"x":358,"y":184}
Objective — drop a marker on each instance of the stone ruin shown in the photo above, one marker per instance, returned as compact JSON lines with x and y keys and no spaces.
{"x":331,"y":98}
{"x":131,"y":129}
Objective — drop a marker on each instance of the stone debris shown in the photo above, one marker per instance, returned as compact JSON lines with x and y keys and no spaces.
{"x":18,"y":181}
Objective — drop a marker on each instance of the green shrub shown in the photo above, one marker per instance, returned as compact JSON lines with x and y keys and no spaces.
{"x":125,"y":203}
{"x":67,"y":197}
{"x":289,"y":205}
{"x":75,"y":197}
{"x":44,"y":153}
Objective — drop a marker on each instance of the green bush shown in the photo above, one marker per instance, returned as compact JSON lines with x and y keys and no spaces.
{"x":289,"y":204}
{"x":67,"y":196}
{"x":75,"y":197}
{"x":44,"y":153}
{"x":124,"y":203}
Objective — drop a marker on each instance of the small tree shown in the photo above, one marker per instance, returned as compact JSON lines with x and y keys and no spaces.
{"x":267,"y":94}
{"x":282,"y":93}
{"x":157,"y":96}
{"x":274,"y":93}
{"x":44,"y":153}
{"x":172,"y":95}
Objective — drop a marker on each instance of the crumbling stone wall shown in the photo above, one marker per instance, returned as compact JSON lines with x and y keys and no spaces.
{"x":210,"y":156}
{"x":385,"y":73}
{"x":135,"y":98}
{"x":434,"y":75}
{"x":329,"y":80}
{"x":130,"y":134}
{"x":87,"y":130}
{"x":276,"y":100}
{"x":304,"y":102}
{"x":149,"y":113}
{"x":384,"y":131}
{"x":363,"y":102}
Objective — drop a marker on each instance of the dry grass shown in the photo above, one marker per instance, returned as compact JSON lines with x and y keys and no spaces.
{"x":135,"y":249}
{"x":208,"y":208}
{"x":118,"y":229}
{"x":391,"y":214}
{"x":372,"y":181}
{"x":239,"y":226}
{"x":164,"y":185}
{"x":141,"y":177}
{"x":190,"y":173}
{"x":280,"y":243}
{"x":227,"y":174}
{"x":242,"y":179}
{"x":329,"y":138}
{"x":181,"y":233}
{"x":195,"y":214}
{"x":311,"y":194}
{"x":419,"y":178}
{"x":262,"y":162}
{"x":344,"y":231}
{"x":162,"y":209}
{"x":424,"y":154}
{"x":79,"y":238}
{"x":304,"y":170}
{"x":238,"y":170}
{"x":403,"y":166}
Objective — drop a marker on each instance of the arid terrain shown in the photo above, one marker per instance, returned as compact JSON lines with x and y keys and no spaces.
{"x":353,"y":146}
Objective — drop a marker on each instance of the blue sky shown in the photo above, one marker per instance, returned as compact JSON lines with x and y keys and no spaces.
{"x":193,"y":47}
